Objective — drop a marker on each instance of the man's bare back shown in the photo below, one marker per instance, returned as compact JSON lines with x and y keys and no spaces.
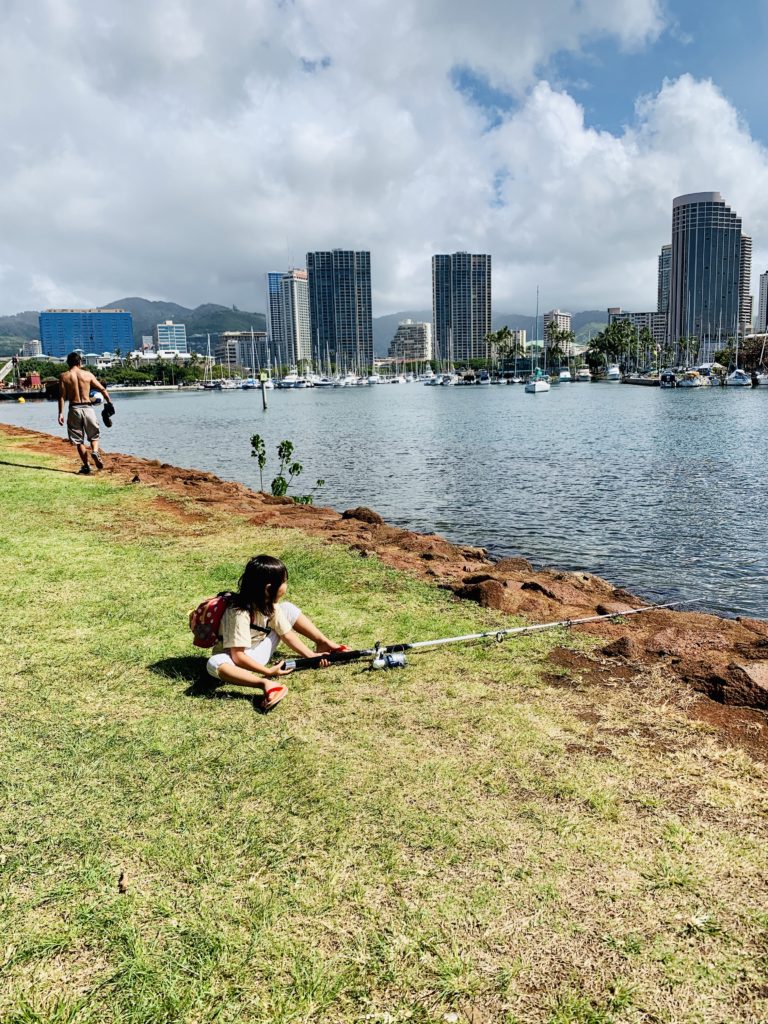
{"x":77,"y":383}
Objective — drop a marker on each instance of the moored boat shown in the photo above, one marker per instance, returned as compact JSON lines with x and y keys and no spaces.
{"x":583,"y":376}
{"x":694,"y":379}
{"x":537,"y":383}
{"x":738,"y":379}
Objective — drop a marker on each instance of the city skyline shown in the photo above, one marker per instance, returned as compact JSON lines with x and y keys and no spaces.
{"x":558,"y":155}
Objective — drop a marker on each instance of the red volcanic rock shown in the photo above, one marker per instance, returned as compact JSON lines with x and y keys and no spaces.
{"x":624,"y":647}
{"x":488,"y":594}
{"x":613,"y":609}
{"x":365,"y":515}
{"x":747,"y":684}
{"x":510,"y":565}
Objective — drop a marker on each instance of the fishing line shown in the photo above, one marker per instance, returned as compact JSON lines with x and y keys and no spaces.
{"x":393,"y":655}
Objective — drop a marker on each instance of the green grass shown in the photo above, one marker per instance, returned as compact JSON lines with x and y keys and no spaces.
{"x":438,"y":843}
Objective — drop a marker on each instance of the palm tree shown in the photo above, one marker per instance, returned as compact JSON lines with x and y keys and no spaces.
{"x":555,"y":351}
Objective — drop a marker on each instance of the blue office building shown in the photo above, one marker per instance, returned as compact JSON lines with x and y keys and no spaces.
{"x":90,"y":330}
{"x":274,"y":314}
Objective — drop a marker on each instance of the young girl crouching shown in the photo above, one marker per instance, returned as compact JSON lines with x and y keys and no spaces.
{"x":255,"y":623}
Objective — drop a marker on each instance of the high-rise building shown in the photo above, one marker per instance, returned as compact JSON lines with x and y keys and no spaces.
{"x":665,"y":260}
{"x":745,"y":285}
{"x":170,"y":337}
{"x":274,"y":314}
{"x":341,"y":321}
{"x":412,"y":342}
{"x":294,"y":313}
{"x":762,"y":306}
{"x":706,"y":295}
{"x":89,"y":330}
{"x":461,"y":305}
{"x":561,"y":320}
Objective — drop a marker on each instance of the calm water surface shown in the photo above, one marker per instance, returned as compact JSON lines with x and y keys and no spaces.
{"x":662,"y":492}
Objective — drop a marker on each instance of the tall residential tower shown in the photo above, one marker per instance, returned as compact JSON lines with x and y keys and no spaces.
{"x":662,"y":298}
{"x":762,"y":307}
{"x":461,"y":305}
{"x":709,"y":272}
{"x":341,"y":321}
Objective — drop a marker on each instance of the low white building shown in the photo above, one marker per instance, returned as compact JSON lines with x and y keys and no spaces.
{"x":412,"y":342}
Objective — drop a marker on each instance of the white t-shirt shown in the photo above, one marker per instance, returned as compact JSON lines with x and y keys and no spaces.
{"x":239,"y":629}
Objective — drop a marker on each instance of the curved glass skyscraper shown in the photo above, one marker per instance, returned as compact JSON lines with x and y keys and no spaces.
{"x":710,"y":268}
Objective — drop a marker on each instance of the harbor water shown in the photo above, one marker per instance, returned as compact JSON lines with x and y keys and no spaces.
{"x":662,"y":492}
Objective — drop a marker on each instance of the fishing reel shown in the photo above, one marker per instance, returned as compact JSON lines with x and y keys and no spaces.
{"x":385,"y":659}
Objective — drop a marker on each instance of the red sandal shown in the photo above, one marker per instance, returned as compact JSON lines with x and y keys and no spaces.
{"x":272,"y":696}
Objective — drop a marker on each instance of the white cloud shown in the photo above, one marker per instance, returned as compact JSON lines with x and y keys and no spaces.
{"x":181,"y":150}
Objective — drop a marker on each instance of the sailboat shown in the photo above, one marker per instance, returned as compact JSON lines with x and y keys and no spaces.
{"x":538,"y":382}
{"x":209,"y":384}
{"x":761,"y":377}
{"x":739,"y":378}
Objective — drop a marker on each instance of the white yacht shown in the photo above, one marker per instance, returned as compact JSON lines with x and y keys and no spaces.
{"x":613,"y":374}
{"x":375,"y":378}
{"x":565,"y":375}
{"x":738,"y":379}
{"x":583,"y":376}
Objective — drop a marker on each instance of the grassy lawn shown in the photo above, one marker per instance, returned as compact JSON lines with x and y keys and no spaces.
{"x":469,"y":839}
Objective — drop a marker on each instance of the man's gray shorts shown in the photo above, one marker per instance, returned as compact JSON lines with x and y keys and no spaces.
{"x":82,"y":423}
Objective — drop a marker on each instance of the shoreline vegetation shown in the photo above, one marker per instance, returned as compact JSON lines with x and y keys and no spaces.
{"x":559,"y":828}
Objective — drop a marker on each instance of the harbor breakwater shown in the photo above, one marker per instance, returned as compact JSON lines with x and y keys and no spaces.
{"x":721,"y":663}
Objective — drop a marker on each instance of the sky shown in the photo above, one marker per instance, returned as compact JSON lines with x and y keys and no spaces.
{"x":180,"y":150}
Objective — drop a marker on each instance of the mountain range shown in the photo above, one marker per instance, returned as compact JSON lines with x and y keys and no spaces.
{"x":212,"y":319}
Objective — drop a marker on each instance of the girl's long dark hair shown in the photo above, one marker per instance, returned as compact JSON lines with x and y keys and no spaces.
{"x":262,"y":578}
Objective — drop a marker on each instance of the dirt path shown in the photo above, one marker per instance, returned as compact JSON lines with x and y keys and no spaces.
{"x":723,"y":661}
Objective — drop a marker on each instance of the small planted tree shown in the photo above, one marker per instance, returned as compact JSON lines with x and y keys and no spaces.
{"x":287,"y":471}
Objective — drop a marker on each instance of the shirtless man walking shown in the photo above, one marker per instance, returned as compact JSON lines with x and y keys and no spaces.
{"x":75,"y":388}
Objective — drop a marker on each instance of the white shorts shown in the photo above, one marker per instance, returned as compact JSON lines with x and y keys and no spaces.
{"x":263,"y":651}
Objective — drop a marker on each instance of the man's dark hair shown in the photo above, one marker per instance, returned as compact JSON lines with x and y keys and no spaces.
{"x":73,"y":359}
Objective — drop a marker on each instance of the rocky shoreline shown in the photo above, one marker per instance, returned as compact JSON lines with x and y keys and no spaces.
{"x":722,"y":662}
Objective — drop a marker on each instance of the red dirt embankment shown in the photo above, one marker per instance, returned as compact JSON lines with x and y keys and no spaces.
{"x":723,"y":660}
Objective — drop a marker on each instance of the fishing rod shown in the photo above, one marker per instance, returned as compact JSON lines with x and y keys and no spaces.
{"x":393,"y":655}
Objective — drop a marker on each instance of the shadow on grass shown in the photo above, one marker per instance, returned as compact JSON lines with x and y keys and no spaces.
{"x":190,"y":668}
{"x":25,"y":465}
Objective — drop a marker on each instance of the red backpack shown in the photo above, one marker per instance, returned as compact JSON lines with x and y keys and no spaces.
{"x":205,"y":620}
